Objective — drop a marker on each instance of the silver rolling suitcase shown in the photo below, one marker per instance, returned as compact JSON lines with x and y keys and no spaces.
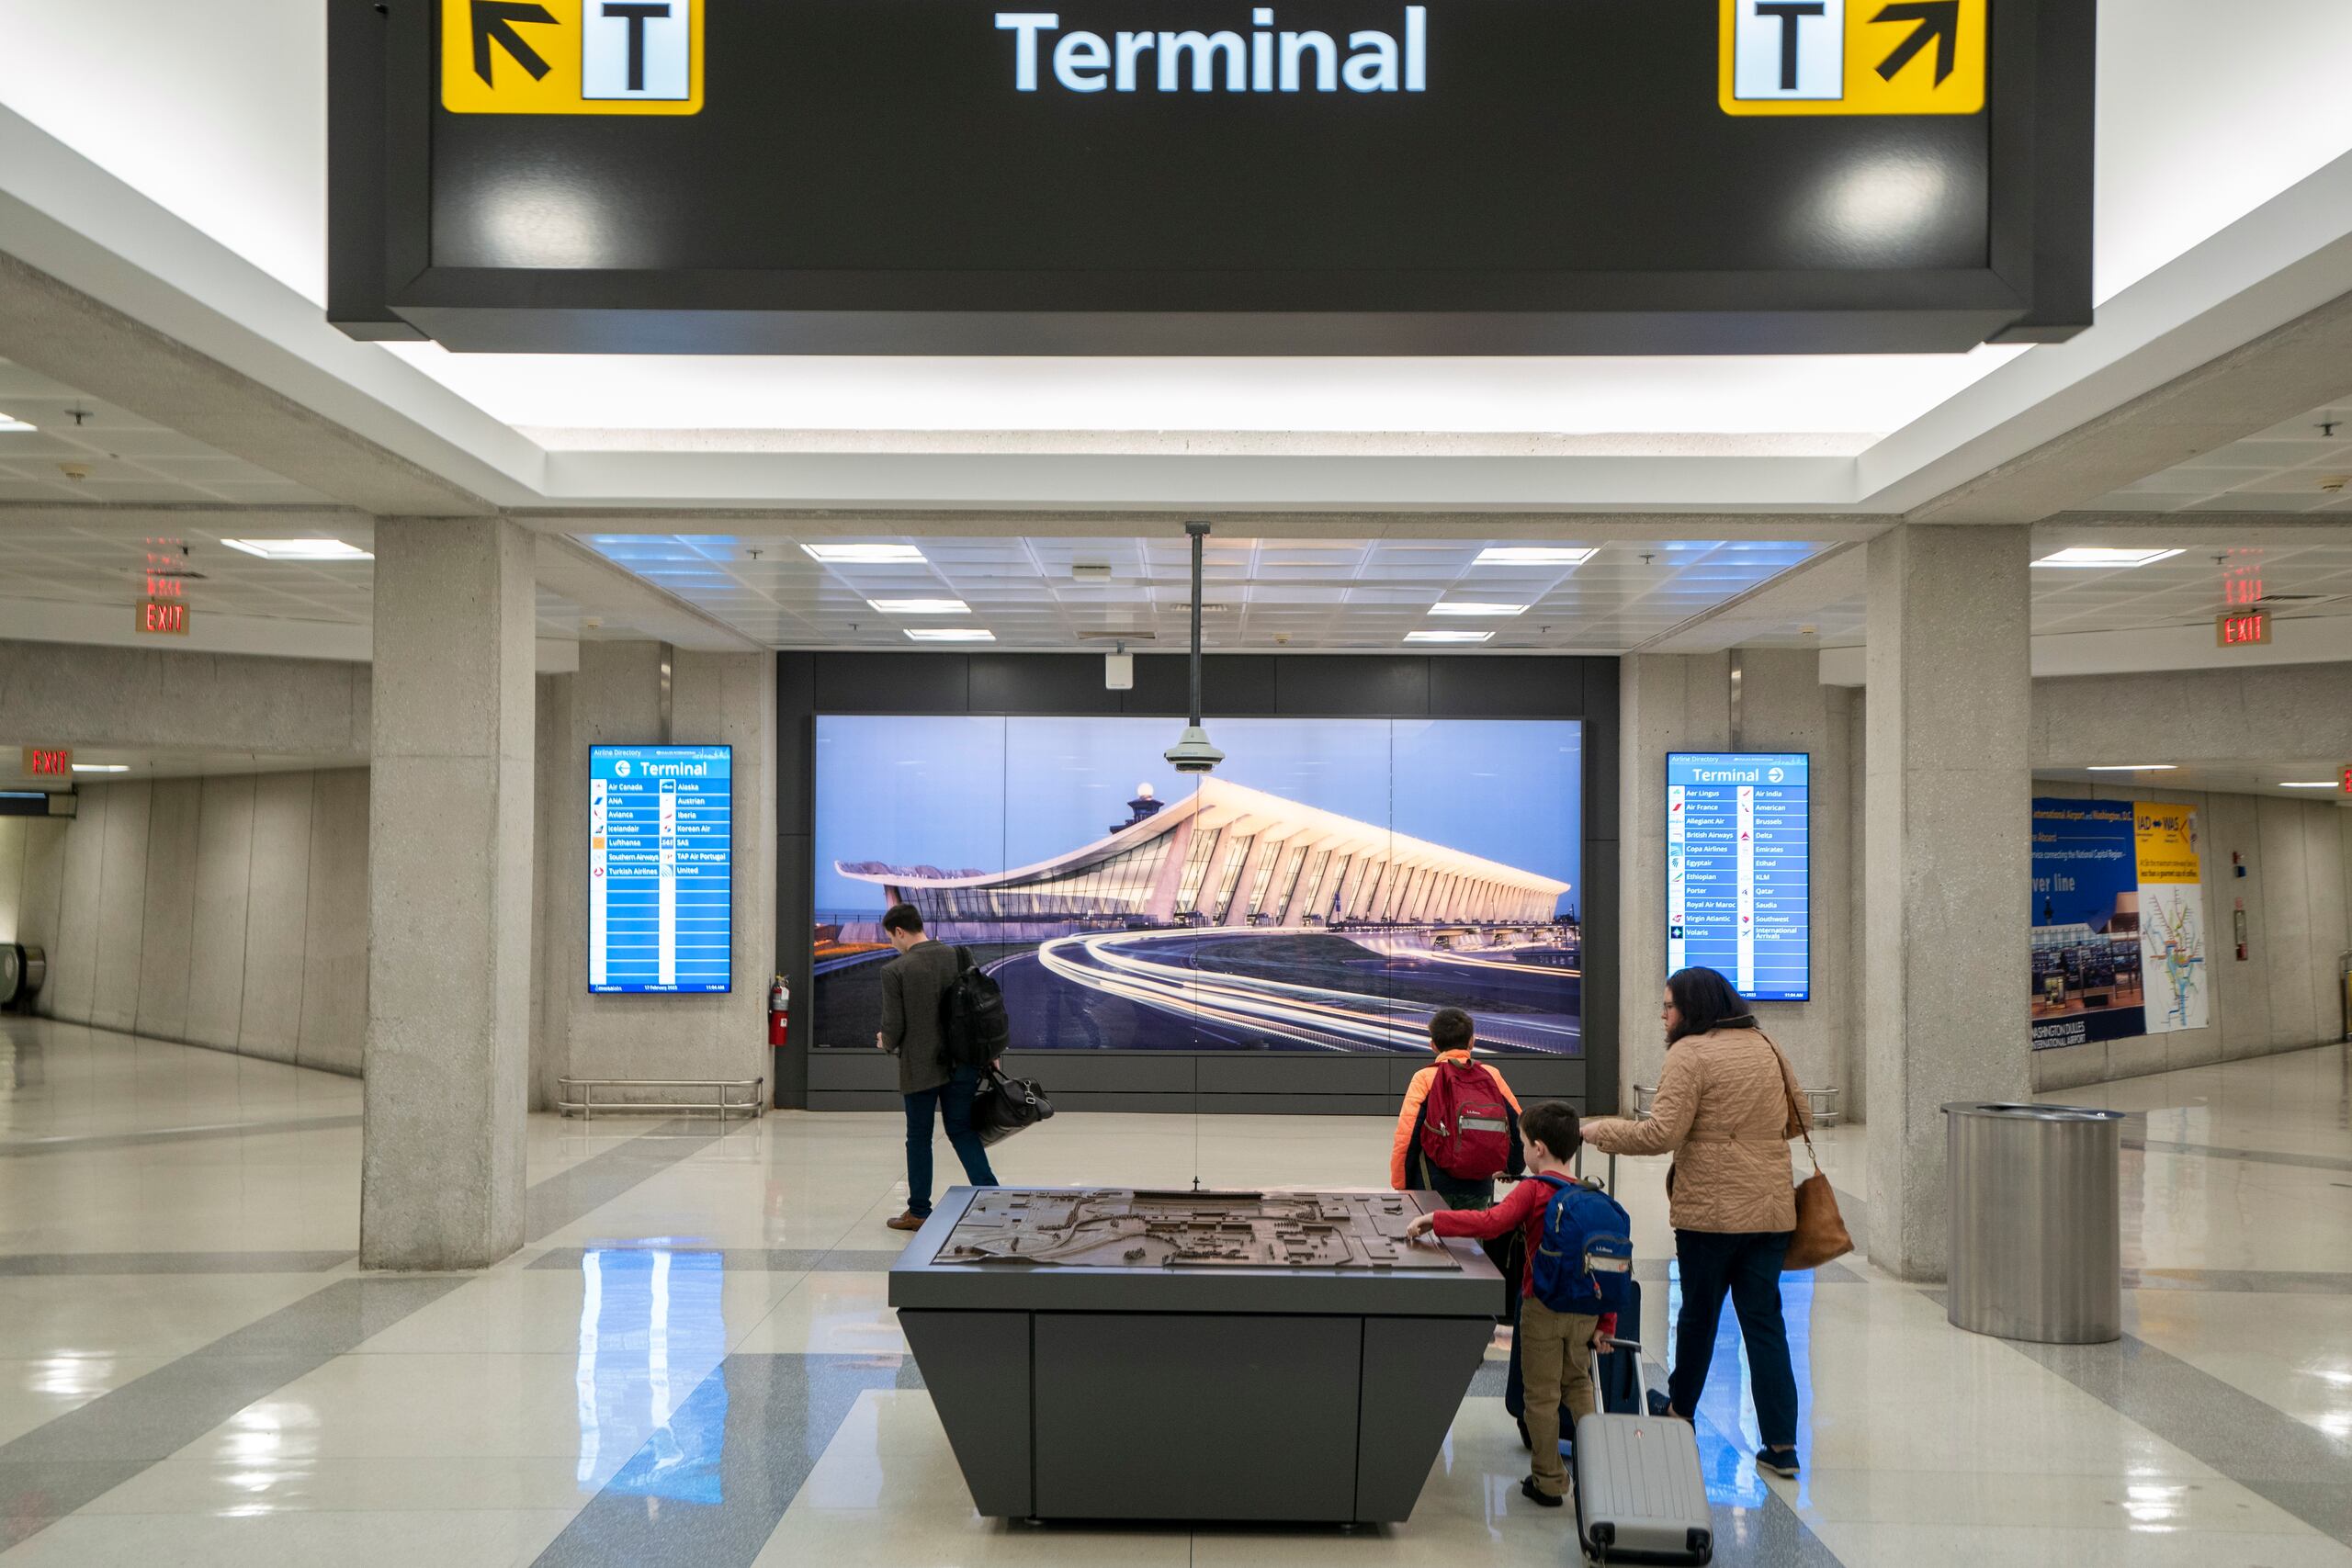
{"x":1640,"y":1497}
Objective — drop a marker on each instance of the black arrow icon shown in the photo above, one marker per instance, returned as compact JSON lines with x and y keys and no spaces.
{"x":1937,"y":19}
{"x":496,"y":20}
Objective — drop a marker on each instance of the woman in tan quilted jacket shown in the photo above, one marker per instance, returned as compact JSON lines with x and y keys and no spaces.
{"x":1726,"y":1107}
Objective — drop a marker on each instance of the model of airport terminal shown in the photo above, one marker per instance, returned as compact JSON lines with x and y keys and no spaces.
{"x":1122,"y":1229}
{"x":1117,"y":1353}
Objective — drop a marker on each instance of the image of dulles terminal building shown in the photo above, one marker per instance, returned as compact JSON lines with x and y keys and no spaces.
{"x":1227,"y":856}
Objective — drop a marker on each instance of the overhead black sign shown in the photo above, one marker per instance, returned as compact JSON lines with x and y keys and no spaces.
{"x":1211,"y":176}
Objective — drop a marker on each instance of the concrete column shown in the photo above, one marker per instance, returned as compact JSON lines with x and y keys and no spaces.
{"x":1948,"y":866}
{"x":1667,"y":701}
{"x":449,"y":894}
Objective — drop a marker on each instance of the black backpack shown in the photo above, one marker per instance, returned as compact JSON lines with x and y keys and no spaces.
{"x":971,"y":1016}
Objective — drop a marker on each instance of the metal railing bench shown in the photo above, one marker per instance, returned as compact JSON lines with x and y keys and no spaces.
{"x":729,"y":1097}
{"x":1821,"y":1102}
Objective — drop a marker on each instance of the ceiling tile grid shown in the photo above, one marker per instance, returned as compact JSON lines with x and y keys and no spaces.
{"x":2302,"y":466}
{"x":2183,"y":590}
{"x":85,"y":451}
{"x":1359,"y":595}
{"x":99,"y":560}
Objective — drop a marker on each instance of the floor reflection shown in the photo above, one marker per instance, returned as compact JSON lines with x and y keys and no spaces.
{"x":1728,"y":1433}
{"x":651,"y":1331}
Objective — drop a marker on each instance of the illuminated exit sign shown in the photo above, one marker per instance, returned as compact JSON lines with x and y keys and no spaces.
{"x":2245,"y":628}
{"x":49,"y":761}
{"x":163,"y":617}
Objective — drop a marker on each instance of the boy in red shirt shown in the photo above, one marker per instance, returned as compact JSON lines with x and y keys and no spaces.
{"x":1555,"y":1347}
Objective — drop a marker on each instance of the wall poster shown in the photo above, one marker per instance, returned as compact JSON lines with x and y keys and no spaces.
{"x":2119,"y":921}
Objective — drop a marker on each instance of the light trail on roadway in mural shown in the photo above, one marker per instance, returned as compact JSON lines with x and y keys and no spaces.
{"x":1320,"y":1016}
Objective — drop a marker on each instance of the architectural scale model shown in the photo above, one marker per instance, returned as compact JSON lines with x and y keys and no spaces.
{"x":1124,"y":1228}
{"x":1290,"y":1355}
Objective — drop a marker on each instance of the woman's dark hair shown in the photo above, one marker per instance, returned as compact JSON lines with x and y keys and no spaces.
{"x":1706,"y":1001}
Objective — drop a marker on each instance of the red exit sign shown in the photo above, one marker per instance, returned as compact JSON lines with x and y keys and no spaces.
{"x":57,"y":762}
{"x":2245,"y":629}
{"x":166,"y":618}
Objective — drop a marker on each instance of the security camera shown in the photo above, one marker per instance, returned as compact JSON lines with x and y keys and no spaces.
{"x":1193,"y":754}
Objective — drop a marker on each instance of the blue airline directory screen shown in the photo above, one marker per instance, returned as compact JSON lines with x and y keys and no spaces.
{"x":1739,"y":869}
{"x":660,"y":868}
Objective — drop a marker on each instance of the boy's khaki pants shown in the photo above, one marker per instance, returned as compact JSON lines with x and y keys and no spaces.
{"x":1555,"y":1360}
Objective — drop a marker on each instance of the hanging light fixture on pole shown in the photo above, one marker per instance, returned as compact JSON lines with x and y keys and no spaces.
{"x":1193,"y":754}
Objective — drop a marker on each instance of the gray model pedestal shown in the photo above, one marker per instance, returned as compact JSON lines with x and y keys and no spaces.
{"x":1105,"y":1354}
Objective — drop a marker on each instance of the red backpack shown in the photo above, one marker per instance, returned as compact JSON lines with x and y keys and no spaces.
{"x":1465,"y":1122}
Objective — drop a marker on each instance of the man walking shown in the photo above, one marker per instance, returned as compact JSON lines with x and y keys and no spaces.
{"x":914,"y":987}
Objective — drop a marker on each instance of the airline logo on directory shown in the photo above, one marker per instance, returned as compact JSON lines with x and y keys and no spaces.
{"x":1369,"y":60}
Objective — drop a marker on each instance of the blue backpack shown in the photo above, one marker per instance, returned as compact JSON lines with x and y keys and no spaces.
{"x":1585,"y":1262}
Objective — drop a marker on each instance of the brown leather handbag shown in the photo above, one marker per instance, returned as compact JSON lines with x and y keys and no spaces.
{"x":1820,"y":1234}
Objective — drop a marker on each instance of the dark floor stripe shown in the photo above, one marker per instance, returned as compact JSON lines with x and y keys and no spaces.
{"x":2256,"y":1157}
{"x":48,"y":1263}
{"x":1659,"y":1271}
{"x":742,"y":1259}
{"x":2251,"y":1281}
{"x":2265,"y":1451}
{"x":1769,"y":1535}
{"x":64,"y":1463}
{"x":76,"y":1143}
{"x":572,"y":1195}
{"x":710,"y":1487}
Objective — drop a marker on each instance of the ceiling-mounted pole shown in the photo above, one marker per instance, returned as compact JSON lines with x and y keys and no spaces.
{"x":1193,"y":754}
{"x":1200,"y":532}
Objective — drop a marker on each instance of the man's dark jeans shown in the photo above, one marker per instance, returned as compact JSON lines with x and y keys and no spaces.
{"x":1749,"y":1266}
{"x":954,"y":1100}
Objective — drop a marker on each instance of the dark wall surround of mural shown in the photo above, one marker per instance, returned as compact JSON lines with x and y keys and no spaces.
{"x":1409,"y":831}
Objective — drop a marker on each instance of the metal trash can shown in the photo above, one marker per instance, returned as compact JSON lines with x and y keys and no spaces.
{"x":2037,"y":1222}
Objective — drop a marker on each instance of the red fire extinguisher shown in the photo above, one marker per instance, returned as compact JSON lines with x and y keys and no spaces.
{"x":779,"y":1005}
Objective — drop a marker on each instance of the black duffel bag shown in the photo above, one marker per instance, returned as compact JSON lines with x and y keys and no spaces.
{"x":1003,"y":1106}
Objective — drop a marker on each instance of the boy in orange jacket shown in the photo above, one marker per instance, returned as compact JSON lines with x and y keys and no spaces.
{"x":1452,"y":1032}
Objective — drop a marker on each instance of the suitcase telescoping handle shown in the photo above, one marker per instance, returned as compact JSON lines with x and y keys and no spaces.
{"x":1641,"y":1378}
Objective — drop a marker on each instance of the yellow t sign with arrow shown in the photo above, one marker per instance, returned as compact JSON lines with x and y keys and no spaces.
{"x":572,"y":56}
{"x":1875,"y":57}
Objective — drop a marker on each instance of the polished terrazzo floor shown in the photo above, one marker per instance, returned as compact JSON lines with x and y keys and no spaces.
{"x":692,"y":1360}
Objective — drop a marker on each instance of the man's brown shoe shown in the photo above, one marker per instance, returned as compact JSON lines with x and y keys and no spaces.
{"x":909,"y":1221}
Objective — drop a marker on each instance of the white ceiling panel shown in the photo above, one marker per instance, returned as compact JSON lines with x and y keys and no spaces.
{"x":1360,"y":594}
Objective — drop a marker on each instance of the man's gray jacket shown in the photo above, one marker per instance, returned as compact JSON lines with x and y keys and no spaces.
{"x":913,"y":986}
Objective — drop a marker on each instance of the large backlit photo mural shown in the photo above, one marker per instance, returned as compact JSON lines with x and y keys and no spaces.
{"x":1330,"y":886}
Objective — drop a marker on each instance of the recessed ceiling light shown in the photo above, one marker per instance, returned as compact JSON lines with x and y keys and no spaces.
{"x":298,"y":550}
{"x":921,"y":606}
{"x":1467,"y":607}
{"x":950,"y":634}
{"x":864,"y":555}
{"x":1534,"y":555}
{"x":1447,"y":636}
{"x":2088,"y":557}
{"x":102,"y":767}
{"x":2135,"y":768}
{"x":2313,"y":783}
{"x":11,"y":425}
